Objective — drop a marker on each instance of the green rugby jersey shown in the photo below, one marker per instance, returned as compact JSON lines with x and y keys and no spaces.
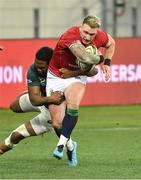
{"x":34,"y":79}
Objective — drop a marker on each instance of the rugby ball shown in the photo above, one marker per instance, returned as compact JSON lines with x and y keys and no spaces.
{"x":92,"y":49}
{"x":83,"y":66}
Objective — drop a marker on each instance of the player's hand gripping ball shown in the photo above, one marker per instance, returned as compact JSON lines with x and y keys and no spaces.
{"x":86,"y":67}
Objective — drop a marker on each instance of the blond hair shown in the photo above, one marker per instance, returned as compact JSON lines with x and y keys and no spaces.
{"x":92,"y":21}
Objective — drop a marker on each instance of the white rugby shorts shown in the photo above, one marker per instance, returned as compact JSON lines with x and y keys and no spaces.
{"x":26,"y":105}
{"x":55,"y":83}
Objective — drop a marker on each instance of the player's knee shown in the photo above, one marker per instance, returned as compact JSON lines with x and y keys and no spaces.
{"x":14,"y":106}
{"x":56,"y":122}
{"x":73,"y":106}
{"x":16,"y":137}
{"x":44,"y":115}
{"x":22,"y":131}
{"x":41,"y":124}
{"x":57,"y":125}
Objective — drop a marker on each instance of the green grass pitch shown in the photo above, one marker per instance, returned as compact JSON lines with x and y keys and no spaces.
{"x":109,"y":147}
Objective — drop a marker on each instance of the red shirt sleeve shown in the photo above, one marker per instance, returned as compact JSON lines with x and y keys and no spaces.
{"x":101,"y":39}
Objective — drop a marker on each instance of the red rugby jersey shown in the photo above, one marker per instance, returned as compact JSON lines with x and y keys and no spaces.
{"x":63,"y":57}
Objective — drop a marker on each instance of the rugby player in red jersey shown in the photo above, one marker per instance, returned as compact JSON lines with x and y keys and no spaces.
{"x":70,"y":47}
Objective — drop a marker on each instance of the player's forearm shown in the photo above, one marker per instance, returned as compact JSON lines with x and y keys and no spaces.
{"x":80,"y":52}
{"x":93,"y":71}
{"x":77,"y":73}
{"x":109,"y":51}
{"x":37,"y":100}
{"x":65,"y":73}
{"x":89,"y":58}
{"x":90,"y":73}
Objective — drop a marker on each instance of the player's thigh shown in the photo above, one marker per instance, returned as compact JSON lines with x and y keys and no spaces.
{"x":26,"y":106}
{"x":54,"y":83}
{"x":57,"y":113}
{"x":15,"y":106}
{"x":74,"y":94}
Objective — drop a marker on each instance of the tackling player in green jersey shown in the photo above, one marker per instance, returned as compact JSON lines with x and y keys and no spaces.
{"x":35,"y":100}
